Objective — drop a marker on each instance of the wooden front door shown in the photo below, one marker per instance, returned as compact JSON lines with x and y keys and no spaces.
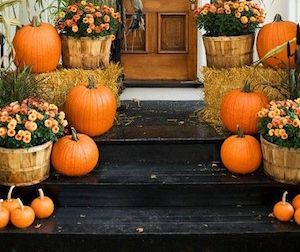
{"x":167,"y":49}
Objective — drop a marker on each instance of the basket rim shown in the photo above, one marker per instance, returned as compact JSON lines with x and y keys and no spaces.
{"x":227,"y":38}
{"x":86,"y":38}
{"x":26,"y":150}
{"x":265,"y":141}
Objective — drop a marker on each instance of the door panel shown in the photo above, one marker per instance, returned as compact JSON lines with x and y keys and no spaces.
{"x":166,"y":50}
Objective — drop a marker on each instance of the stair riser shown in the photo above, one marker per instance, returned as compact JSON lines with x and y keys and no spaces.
{"x":158,"y":153}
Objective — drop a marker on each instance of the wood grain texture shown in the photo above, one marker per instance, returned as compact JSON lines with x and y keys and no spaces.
{"x":282,"y":164}
{"x":226,"y":51}
{"x":86,"y":53}
{"x":25,"y":166}
{"x":171,"y":42}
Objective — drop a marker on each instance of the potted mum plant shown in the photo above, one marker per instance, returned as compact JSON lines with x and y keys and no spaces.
{"x":230,"y":28}
{"x":28,"y":126}
{"x":87,"y":31}
{"x":280,"y":130}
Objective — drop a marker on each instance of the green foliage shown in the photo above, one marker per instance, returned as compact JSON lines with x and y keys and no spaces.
{"x":16,"y":85}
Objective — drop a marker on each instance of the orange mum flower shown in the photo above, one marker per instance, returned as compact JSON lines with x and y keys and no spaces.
{"x":11,"y":132}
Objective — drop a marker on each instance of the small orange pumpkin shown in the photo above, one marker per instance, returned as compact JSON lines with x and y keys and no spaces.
{"x":10,"y":204}
{"x":37,"y":45}
{"x":297,"y":216}
{"x":4,"y":215}
{"x":42,"y":206}
{"x":74,"y":155}
{"x":283,"y":210}
{"x":296,"y":201}
{"x":89,"y":109}
{"x":240,"y":107}
{"x":23,"y":216}
{"x":241,"y":154}
{"x":273,"y":35}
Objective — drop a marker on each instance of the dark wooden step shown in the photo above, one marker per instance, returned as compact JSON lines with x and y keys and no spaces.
{"x":161,"y":229}
{"x":160,"y":132}
{"x":157,"y":185}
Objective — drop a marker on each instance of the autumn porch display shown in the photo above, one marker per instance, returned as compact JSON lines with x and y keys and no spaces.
{"x":27,"y":130}
{"x":87,"y":31}
{"x":230,"y":28}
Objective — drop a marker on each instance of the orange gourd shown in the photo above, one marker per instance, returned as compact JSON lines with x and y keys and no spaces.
{"x":42,"y":206}
{"x":74,"y":155}
{"x":297,"y":216}
{"x":89,"y":109}
{"x":296,"y":201}
{"x":10,"y":204}
{"x":23,"y":216}
{"x":283,"y":210}
{"x":241,"y":154}
{"x":240,"y":107}
{"x":273,"y":35}
{"x":37,"y":45}
{"x":4,"y":215}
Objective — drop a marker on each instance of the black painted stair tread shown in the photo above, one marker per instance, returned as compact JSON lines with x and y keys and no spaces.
{"x":228,"y":220}
{"x":143,"y":174}
{"x":158,"y":121}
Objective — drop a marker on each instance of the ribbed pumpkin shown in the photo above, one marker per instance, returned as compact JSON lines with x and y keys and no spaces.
{"x":37,"y":45}
{"x":241,"y":154}
{"x":240,"y":107}
{"x":275,"y":34}
{"x":90,"y":109}
{"x":74,"y":155}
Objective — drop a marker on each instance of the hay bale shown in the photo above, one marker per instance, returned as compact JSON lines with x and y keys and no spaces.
{"x":55,"y":86}
{"x":219,"y":82}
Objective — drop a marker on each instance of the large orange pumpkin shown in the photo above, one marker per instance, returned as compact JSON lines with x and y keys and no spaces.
{"x":241,"y":154}
{"x":240,"y":107}
{"x":74,"y":155}
{"x":275,"y":34}
{"x":37,"y":45}
{"x":91,"y":110}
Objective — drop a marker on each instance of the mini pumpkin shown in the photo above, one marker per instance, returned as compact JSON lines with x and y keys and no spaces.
{"x":10,"y":203}
{"x":241,"y":154}
{"x":296,"y":201}
{"x":4,"y":215}
{"x":37,"y":45}
{"x":272,"y":35}
{"x":23,"y":216}
{"x":89,"y":109}
{"x":283,"y":210}
{"x":297,"y":216}
{"x":74,"y":155}
{"x":42,"y":206}
{"x":240,"y":107}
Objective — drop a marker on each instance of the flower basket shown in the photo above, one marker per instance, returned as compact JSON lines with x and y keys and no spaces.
{"x":229,"y":51}
{"x":86,"y":52}
{"x":281,"y":163}
{"x":23,"y":167}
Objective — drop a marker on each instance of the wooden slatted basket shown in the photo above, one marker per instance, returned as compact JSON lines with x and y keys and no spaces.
{"x":229,"y":51}
{"x":86,"y":52}
{"x":281,"y":164}
{"x":23,"y":167}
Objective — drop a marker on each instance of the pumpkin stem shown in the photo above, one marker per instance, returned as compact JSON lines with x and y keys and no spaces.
{"x":20,"y":204}
{"x":36,"y":22}
{"x":247,"y":88}
{"x":277,"y":18}
{"x":10,"y":192}
{"x":41,"y":193}
{"x":91,"y":82}
{"x":284,"y":197}
{"x":240,"y":132}
{"x":74,"y":135}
